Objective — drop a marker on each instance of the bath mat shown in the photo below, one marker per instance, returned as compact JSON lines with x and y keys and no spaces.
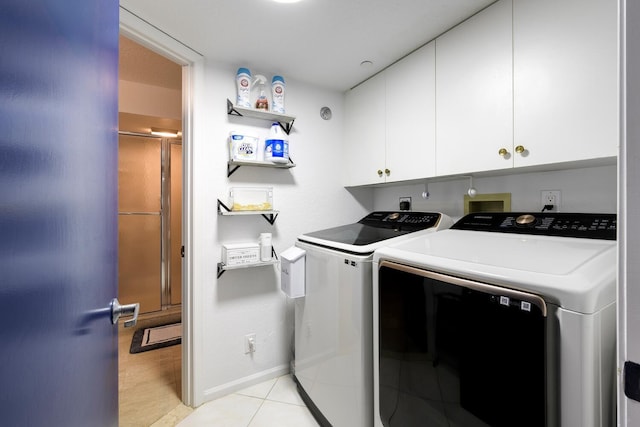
{"x":156,"y":337}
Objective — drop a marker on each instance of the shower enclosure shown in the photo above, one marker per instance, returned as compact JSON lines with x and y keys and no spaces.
{"x":149,"y":221}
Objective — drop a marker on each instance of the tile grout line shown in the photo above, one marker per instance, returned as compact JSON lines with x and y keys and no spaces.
{"x":256,"y":413}
{"x":263,"y":400}
{"x":286,"y":403}
{"x":280,"y":401}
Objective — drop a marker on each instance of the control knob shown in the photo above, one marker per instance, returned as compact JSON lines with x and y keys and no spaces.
{"x":525,"y":219}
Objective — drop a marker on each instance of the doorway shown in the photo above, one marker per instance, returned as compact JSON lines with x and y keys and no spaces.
{"x":150,"y":178}
{"x":149,"y":228}
{"x":192,"y":72}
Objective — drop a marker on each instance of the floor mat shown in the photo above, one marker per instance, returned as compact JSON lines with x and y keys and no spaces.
{"x":156,"y":337}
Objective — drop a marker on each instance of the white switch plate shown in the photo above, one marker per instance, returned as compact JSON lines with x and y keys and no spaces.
{"x":249,"y":343}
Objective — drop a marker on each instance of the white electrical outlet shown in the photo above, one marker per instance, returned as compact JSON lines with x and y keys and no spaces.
{"x":550,"y":197}
{"x":249,"y":343}
{"x":405,"y":203}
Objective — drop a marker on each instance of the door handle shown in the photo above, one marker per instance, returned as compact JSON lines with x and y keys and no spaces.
{"x":118,"y":310}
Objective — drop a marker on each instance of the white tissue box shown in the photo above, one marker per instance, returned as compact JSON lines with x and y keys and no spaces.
{"x":240,"y":253}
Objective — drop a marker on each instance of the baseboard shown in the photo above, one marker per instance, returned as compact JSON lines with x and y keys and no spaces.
{"x":242,"y":383}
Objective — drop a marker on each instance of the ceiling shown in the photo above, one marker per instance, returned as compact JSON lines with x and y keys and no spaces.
{"x":321,"y":42}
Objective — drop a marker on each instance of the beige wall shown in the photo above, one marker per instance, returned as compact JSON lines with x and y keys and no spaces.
{"x":139,"y":98}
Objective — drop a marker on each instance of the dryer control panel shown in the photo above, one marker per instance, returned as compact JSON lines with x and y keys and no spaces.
{"x":581,"y":225}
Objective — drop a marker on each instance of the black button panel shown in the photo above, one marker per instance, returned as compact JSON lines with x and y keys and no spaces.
{"x":581,"y":225}
{"x":401,"y":220}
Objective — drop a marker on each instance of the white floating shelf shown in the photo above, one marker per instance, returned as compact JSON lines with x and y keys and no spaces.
{"x":285,"y":120}
{"x":223,"y":267}
{"x":261,"y":163}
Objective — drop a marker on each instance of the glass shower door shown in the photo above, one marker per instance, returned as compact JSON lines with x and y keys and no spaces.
{"x":150,"y":221}
{"x":140,"y":221}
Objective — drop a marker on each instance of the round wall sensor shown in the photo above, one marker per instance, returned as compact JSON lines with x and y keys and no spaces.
{"x":325,"y":113}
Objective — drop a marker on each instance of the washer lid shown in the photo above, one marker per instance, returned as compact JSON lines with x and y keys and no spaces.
{"x":357,"y":234}
{"x":371,"y":231}
{"x":578,"y":274}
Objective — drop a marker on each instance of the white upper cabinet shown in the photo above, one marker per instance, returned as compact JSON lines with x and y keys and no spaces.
{"x":364,"y":143}
{"x":390,"y":123}
{"x":565,"y":80}
{"x":474,"y":93}
{"x":411,"y":116}
{"x":522,"y":83}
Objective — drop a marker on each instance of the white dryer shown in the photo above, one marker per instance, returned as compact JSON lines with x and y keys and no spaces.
{"x":333,"y":321}
{"x":506,"y":319}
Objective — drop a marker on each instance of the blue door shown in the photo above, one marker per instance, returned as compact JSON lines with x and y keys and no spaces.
{"x":58,"y":223}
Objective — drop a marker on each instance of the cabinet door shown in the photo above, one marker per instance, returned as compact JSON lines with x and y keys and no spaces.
{"x":474,"y":95}
{"x":365,"y":133}
{"x":411,"y":116}
{"x":565,"y":79}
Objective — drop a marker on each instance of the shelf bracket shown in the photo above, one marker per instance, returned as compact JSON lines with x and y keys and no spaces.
{"x":220,"y":270}
{"x":222,"y":206}
{"x":271,"y":218}
{"x":231,"y":170}
{"x":286,"y":127}
{"x":231,"y":109}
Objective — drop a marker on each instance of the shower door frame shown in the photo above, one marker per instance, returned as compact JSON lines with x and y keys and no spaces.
{"x":164,"y":213}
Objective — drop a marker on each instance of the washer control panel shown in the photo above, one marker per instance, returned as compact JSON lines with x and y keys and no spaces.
{"x":406,"y":220}
{"x":581,"y":225}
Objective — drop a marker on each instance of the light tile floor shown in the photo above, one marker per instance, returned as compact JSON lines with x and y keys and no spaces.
{"x":150,"y":383}
{"x":273,"y":403}
{"x":150,"y":390}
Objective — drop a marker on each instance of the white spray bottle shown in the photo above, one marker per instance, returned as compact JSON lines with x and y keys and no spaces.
{"x":262,"y":103}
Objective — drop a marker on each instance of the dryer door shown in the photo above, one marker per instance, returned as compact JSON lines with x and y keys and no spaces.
{"x":457,"y":352}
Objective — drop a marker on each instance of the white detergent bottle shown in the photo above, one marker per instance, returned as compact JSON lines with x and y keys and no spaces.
{"x":265,"y":247}
{"x":276,"y":146}
{"x":243,"y":83}
{"x":277,"y":94}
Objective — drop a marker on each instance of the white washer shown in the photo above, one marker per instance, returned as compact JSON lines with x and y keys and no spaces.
{"x":333,"y":342}
{"x":505,"y":319}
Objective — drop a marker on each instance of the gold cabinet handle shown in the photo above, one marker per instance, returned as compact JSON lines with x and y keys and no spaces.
{"x":387,"y":172}
{"x":520,"y":149}
{"x":503,"y":152}
{"x":379,"y":172}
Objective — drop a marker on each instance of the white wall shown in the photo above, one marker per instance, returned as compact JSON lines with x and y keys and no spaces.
{"x":309,"y":197}
{"x":592,"y":189}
